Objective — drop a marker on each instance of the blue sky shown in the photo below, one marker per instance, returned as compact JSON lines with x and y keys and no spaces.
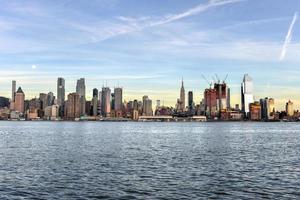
{"x":147,"y":46}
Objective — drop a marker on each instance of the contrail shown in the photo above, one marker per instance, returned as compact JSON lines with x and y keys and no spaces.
{"x":288,"y":37}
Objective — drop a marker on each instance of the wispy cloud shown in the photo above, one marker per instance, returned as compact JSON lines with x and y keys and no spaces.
{"x":193,"y":11}
{"x":288,"y":38}
{"x":140,"y":23}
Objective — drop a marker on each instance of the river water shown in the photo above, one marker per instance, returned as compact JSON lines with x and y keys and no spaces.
{"x":127,"y":160}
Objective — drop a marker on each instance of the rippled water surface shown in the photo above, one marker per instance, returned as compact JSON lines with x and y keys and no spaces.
{"x":94,"y":160}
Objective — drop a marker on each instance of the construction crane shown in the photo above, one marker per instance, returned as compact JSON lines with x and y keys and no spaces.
{"x":225,"y":78}
{"x":209,"y":83}
{"x":217,"y":78}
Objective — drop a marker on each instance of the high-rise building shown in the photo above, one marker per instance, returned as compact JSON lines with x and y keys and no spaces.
{"x":289,"y":108}
{"x":267,"y":108}
{"x":118,"y":93}
{"x":50,"y":99}
{"x":147,"y":106}
{"x":157,"y":104}
{"x":60,"y":91}
{"x":80,"y":90}
{"x":95,"y":102}
{"x":210,"y":103}
{"x":246,"y":93}
{"x":61,"y":96}
{"x":255,"y":111}
{"x":19,"y":100}
{"x":271,"y":109}
{"x":222,"y":97}
{"x":105,"y":101}
{"x":43,"y":99}
{"x":228,"y":99}
{"x":190,"y":100}
{"x":13,"y":91}
{"x":182,"y":97}
{"x":73,"y":106}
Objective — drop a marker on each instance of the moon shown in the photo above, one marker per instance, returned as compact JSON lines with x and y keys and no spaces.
{"x":33,"y":66}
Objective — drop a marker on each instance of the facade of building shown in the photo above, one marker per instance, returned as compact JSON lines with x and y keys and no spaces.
{"x":61,"y":95}
{"x":118,"y":103}
{"x":289,"y":108}
{"x":95,"y":102}
{"x":19,"y":101}
{"x":147,"y":106}
{"x":105,"y":101}
{"x":80,"y":90}
{"x":222,"y":98}
{"x":210,"y":103}
{"x":60,"y":91}
{"x":13,"y":90}
{"x":72,"y":106}
{"x":255,"y":111}
{"x":246,"y":93}
{"x":181,"y":100}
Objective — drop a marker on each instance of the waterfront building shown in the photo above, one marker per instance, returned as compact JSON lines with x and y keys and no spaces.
{"x":80,"y":90}
{"x":210,"y":103}
{"x":19,"y":101}
{"x":181,"y":101}
{"x":221,"y":95}
{"x":50,"y":99}
{"x":267,"y":108}
{"x":246,"y":93}
{"x":289,"y":108}
{"x":60,"y":91}
{"x":73,"y":106}
{"x":157,"y":104}
{"x":105,"y":101}
{"x":52,"y":112}
{"x":255,"y":111}
{"x":13,"y":90}
{"x":61,"y":95}
{"x":190,"y":101}
{"x":43,"y":100}
{"x":118,"y":101}
{"x":147,"y":106}
{"x":95,"y":101}
{"x":228,"y":99}
{"x":271,"y":109}
{"x":4,"y":102}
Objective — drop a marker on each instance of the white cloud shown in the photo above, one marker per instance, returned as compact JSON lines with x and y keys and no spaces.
{"x":288,"y":38}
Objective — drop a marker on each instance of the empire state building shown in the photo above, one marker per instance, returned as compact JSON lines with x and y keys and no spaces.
{"x":182,"y":97}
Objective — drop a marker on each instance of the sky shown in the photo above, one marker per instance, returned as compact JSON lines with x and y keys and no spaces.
{"x":148,"y":46}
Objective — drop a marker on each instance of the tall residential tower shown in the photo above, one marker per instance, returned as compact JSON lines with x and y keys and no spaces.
{"x":246,"y":93}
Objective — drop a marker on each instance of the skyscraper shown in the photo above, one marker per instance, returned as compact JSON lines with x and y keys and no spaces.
{"x":246,"y":93}
{"x":190,"y":100}
{"x":289,"y":107}
{"x":61,"y":96}
{"x":118,"y":99}
{"x":13,"y":91}
{"x":182,"y":96}
{"x":80,"y":90}
{"x":210,"y":103}
{"x":95,"y":102}
{"x":147,"y":106}
{"x":105,"y":101}
{"x":60,"y":91}
{"x":73,"y":106}
{"x":19,"y":100}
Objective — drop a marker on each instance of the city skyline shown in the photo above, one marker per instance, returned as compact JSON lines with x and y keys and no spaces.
{"x":137,"y":46}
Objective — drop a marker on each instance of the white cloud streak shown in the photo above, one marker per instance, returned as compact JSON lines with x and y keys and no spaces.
{"x":138,"y":24}
{"x":288,"y":38}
